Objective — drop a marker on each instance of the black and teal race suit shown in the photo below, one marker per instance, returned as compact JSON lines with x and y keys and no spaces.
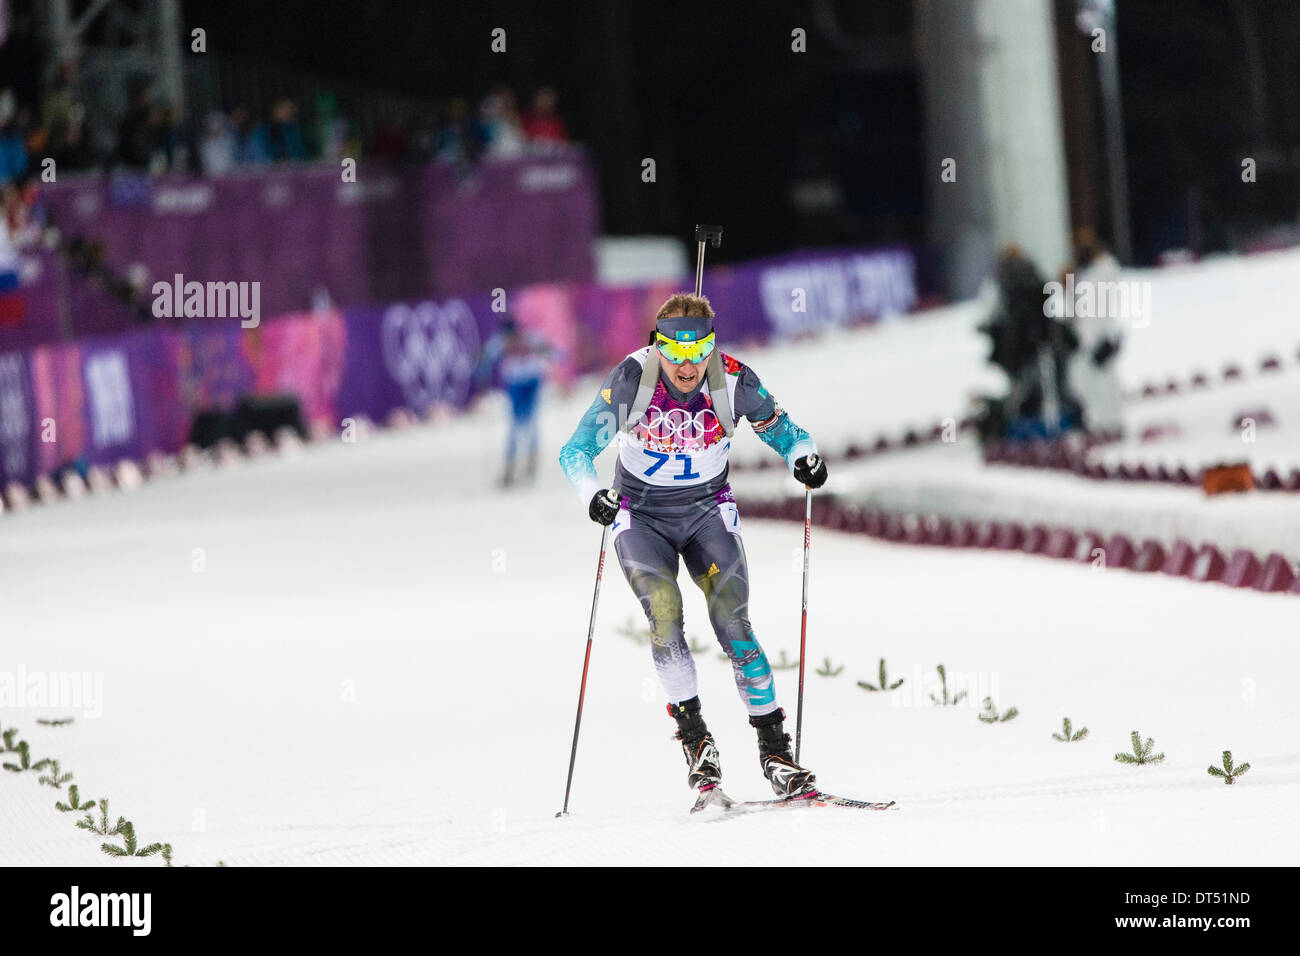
{"x":677,"y":503}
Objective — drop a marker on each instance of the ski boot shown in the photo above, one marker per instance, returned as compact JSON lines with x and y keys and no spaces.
{"x":697,"y":744}
{"x":788,"y":779}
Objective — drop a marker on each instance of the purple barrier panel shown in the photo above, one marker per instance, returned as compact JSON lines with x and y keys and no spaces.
{"x":161,"y":377}
{"x":612,"y":321}
{"x":512,"y":223}
{"x":119,"y":406}
{"x":378,"y":237}
{"x":93,"y":402}
{"x":212,"y":366}
{"x":413,"y":354}
{"x":796,"y":294}
{"x":302,"y":355}
{"x":19,"y":427}
{"x":296,"y":230}
{"x":123,"y":395}
{"x":734,"y":293}
{"x":110,"y":397}
{"x":810,"y":291}
{"x":49,"y":289}
{"x":548,"y":309}
{"x":58,"y":405}
{"x":398,"y":232}
{"x":92,"y":310}
{"x":162,"y":418}
{"x":29,"y":313}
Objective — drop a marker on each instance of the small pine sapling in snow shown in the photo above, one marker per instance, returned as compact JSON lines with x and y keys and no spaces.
{"x":1066,"y":736}
{"x":56,"y":722}
{"x":8,"y":736}
{"x":74,"y":801}
{"x":829,"y":670}
{"x":127,"y":832}
{"x":151,"y":849}
{"x":884,"y":681}
{"x":1229,"y":773}
{"x":55,"y":778}
{"x":130,"y":846}
{"x":1141,"y":751}
{"x":88,"y":822}
{"x":990,"y":714}
{"x":24,"y":758}
{"x":943,"y":682}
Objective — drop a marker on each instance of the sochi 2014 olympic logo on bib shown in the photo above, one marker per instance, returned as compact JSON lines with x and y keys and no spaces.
{"x":677,"y":427}
{"x":430,"y":349}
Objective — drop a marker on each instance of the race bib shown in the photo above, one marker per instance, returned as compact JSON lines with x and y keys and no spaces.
{"x":730,"y":516}
{"x":675,"y":444}
{"x":673,"y":468}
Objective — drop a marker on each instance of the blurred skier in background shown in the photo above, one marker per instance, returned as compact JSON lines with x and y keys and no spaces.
{"x":1093,"y":370}
{"x":673,"y":406}
{"x":518,"y":358}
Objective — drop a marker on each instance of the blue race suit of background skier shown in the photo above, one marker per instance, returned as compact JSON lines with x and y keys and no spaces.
{"x":673,"y":501}
{"x":519,"y":358}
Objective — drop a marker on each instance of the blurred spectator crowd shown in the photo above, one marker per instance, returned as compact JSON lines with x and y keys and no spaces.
{"x":50,"y":112}
{"x":152,"y":135}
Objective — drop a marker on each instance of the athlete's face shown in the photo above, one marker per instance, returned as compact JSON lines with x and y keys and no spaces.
{"x":686,"y":376}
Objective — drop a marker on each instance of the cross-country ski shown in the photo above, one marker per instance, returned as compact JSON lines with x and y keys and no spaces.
{"x":715,"y":797}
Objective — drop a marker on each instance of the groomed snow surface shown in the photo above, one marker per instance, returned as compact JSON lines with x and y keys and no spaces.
{"x":367,"y":654}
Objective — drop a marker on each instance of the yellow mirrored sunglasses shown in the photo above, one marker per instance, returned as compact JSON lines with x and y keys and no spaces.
{"x":677,"y":352}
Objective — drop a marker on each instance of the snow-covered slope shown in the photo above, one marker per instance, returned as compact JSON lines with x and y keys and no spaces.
{"x":366,"y":654}
{"x":379,"y":665}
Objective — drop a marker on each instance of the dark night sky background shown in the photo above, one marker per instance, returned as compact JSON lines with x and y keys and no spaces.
{"x":711,"y":91}
{"x":732,"y":117}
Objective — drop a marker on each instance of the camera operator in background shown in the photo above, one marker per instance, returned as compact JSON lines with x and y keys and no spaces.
{"x":1033,"y":349}
{"x":1093,"y":369}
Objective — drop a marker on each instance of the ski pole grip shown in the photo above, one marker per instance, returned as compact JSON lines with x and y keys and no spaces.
{"x":710,"y":234}
{"x":704,"y":234}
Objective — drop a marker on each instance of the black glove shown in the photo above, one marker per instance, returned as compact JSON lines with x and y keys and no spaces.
{"x":810,"y":470}
{"x":604,"y":506}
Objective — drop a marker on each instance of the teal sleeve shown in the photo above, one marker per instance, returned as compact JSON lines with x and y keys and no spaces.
{"x":597,"y":428}
{"x":595,"y":431}
{"x":786,"y":438}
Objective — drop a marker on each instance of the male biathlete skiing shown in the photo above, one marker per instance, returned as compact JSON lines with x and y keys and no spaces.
{"x":674,"y":406}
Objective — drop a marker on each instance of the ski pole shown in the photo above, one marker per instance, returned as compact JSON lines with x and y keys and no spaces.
{"x":582,"y":691}
{"x":803,"y":627}
{"x":704,"y":234}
